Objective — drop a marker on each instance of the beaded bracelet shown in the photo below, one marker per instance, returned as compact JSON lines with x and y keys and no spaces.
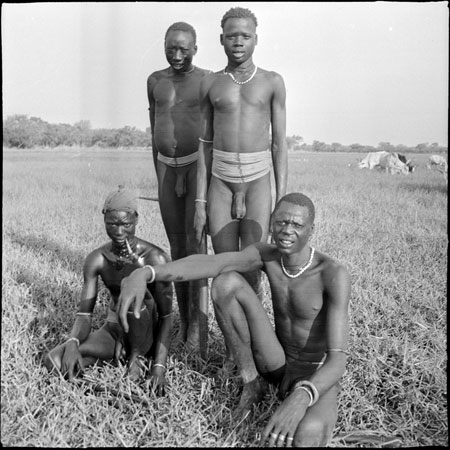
{"x":152,"y":279}
{"x":74,"y":339}
{"x":204,"y":140}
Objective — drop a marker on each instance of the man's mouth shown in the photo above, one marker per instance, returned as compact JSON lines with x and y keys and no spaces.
{"x":285,"y":243}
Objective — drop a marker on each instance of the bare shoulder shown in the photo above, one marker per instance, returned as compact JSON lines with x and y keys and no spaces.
{"x":154,"y":255}
{"x":157,"y":75}
{"x":95,"y":259}
{"x":334,"y":274}
{"x":267,"y":252}
{"x":203,"y":71}
{"x":273,"y":77}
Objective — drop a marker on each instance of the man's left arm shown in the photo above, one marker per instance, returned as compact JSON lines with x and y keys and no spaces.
{"x":279,"y":147}
{"x":337,"y":287}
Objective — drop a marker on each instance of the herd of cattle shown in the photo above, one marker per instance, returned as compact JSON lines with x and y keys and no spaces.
{"x":395,"y":163}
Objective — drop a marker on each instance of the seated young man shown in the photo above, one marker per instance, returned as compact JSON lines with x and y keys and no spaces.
{"x":148,"y":336}
{"x":305,"y":355}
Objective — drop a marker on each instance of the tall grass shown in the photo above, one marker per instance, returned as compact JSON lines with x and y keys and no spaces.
{"x":390,"y":231}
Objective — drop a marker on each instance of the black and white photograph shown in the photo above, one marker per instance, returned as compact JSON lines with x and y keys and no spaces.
{"x":224,"y":224}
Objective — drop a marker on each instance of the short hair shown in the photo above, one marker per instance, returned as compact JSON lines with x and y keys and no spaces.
{"x":182,"y":26}
{"x":238,"y":13}
{"x":296,"y":198}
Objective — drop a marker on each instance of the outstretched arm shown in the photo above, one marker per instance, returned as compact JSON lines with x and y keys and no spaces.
{"x":193,"y":267}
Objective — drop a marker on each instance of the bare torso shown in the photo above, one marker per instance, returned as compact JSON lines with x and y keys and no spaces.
{"x":300,"y":308}
{"x":242,"y":113}
{"x":176,"y":127}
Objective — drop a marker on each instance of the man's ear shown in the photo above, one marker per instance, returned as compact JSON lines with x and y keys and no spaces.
{"x":221,"y":39}
{"x":256,"y":39}
{"x":195,"y":49}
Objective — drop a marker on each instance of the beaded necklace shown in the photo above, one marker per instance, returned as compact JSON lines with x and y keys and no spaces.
{"x":240,"y":82}
{"x":303,"y":269}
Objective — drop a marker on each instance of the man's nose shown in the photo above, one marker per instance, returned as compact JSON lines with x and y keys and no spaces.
{"x":177,"y":55}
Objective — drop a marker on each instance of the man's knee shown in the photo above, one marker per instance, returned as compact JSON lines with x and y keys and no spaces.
{"x":313,"y":432}
{"x":224,"y":286}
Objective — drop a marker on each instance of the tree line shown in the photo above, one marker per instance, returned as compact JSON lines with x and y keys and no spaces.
{"x":21,"y":131}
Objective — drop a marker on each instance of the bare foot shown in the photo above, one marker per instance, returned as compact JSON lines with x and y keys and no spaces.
{"x":252,"y":393}
{"x":137,"y":367}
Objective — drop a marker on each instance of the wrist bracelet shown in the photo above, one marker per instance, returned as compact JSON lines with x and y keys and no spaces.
{"x":165,"y":315}
{"x":308,"y":392}
{"x":204,"y":140}
{"x":152,"y":279}
{"x":337,"y":350}
{"x":160,"y":365}
{"x":74,"y":339}
{"x":200,"y":200}
{"x":314,"y":391}
{"x":84,"y":314}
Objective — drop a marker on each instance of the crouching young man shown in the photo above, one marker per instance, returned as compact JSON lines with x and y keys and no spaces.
{"x":148,"y":336}
{"x":305,"y":355}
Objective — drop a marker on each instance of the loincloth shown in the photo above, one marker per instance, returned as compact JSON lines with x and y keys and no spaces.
{"x":240,"y":167}
{"x":178,"y":162}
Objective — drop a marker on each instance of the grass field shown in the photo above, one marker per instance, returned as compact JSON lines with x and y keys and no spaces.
{"x":389,"y":230}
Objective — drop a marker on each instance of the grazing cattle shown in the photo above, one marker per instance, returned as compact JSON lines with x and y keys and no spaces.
{"x":403,"y":159}
{"x":372,"y":160}
{"x":392,"y":164}
{"x":437,"y":160}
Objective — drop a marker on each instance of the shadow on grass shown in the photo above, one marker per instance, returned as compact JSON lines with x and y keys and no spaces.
{"x":69,"y":259}
{"x":425,"y":187}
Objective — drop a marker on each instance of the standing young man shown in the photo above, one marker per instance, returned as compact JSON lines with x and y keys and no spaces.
{"x":243,"y":134}
{"x":147,"y":336}
{"x":305,"y":355}
{"x":173,"y":95}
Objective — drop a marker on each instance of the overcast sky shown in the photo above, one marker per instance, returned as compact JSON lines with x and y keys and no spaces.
{"x":356,"y":72}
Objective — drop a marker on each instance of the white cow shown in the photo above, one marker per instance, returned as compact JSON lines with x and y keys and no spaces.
{"x":372,"y":160}
{"x":437,"y":160}
{"x":392,"y":164}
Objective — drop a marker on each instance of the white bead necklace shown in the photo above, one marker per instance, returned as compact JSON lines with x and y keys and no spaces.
{"x":303,"y":269}
{"x":240,"y":82}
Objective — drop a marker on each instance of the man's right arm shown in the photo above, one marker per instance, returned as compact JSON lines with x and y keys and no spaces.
{"x":83,"y":320}
{"x":193,"y":267}
{"x":204,"y":160}
{"x":151,"y":81}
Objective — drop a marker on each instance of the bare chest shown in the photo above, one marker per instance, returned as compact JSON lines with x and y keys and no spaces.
{"x":229,"y":97}
{"x":184,"y":93}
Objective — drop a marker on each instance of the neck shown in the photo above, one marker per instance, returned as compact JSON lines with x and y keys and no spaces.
{"x":122,"y":249}
{"x":240,"y":68}
{"x":297,"y":259}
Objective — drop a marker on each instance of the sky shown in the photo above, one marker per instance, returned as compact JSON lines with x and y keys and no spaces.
{"x":355,"y":72}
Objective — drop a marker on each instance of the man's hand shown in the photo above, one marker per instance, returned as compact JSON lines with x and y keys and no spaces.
{"x":71,"y":360}
{"x":132,"y":290}
{"x":281,"y":428}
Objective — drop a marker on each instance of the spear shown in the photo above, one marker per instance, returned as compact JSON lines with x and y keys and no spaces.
{"x":202,"y":310}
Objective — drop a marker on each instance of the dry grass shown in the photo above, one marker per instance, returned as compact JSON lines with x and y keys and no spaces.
{"x":390,"y":231}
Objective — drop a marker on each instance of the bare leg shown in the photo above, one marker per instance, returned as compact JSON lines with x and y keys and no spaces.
{"x":248,"y":333}
{"x":139,"y":340}
{"x":173,"y":212}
